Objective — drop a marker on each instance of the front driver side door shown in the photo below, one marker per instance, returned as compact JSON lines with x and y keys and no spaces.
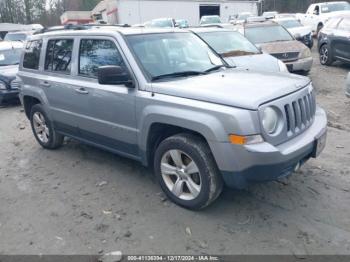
{"x":110,"y":120}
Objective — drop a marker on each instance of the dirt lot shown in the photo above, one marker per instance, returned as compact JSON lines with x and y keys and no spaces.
{"x":81,"y":200}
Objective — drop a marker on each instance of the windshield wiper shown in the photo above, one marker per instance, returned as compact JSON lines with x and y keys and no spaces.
{"x":178,"y":74}
{"x":238,"y":53}
{"x":214,"y":68}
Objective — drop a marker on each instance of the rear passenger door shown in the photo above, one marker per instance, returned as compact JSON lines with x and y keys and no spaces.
{"x":58,"y":85}
{"x":110,"y":120}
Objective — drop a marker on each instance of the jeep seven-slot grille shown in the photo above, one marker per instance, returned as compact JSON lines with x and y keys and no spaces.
{"x":300,"y":113}
{"x":287,"y":57}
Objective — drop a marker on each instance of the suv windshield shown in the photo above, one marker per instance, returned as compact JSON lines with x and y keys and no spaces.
{"x":229,"y":43}
{"x":10,"y":56}
{"x":334,"y":7}
{"x":266,"y":34}
{"x":290,"y":23}
{"x":173,"y":53}
{"x":15,"y":37}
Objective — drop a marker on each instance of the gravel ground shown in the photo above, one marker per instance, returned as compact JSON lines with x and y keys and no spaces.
{"x":81,"y":200}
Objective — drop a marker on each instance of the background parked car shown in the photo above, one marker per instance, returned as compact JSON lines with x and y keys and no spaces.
{"x":241,"y":18}
{"x":181,"y":23}
{"x":10,"y":54}
{"x":300,"y":32}
{"x":348,"y":86}
{"x":236,"y":50}
{"x":18,"y":36}
{"x":274,"y":39}
{"x":161,"y":22}
{"x":318,"y":14}
{"x":334,"y":41}
{"x":210,"y":20}
{"x":270,"y":14}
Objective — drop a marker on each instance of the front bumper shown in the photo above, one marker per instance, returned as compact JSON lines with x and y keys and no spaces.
{"x":7,"y":95}
{"x":243,"y":165}
{"x":304,"y":64}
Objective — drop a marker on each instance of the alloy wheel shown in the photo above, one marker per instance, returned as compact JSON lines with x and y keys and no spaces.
{"x":40,"y":127}
{"x":181,"y":174}
{"x":324,"y":55}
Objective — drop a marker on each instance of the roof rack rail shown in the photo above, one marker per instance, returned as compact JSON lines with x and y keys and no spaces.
{"x":77,"y":27}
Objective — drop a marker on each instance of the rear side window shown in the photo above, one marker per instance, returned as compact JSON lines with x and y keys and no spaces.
{"x":59,"y":55}
{"x":32,"y":54}
{"x":94,"y":53}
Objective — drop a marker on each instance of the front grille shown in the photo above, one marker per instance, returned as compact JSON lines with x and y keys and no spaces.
{"x":300,"y":113}
{"x":297,"y":110}
{"x":15,"y":84}
{"x":287,"y":56}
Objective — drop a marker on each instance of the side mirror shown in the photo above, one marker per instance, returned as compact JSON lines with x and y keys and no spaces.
{"x":315,"y":12}
{"x":114,"y":75}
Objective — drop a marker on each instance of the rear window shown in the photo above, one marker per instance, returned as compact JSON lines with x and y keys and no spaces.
{"x":32,"y":54}
{"x":266,"y":34}
{"x":59,"y":55}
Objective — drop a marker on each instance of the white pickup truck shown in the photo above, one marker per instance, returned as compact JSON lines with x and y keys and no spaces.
{"x":318,"y":14}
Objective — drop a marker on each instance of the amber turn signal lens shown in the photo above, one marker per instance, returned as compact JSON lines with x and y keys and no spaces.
{"x":238,"y":140}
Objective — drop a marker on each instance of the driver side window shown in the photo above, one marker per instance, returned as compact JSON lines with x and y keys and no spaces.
{"x":94,"y":53}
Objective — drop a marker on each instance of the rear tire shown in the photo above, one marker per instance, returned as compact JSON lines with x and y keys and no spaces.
{"x":325,"y":55}
{"x":43,"y":129}
{"x":187,"y":172}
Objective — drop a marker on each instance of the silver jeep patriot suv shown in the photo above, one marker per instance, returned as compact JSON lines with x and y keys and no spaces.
{"x":164,"y":98}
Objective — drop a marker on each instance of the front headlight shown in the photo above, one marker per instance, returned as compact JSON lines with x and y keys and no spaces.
{"x":270,"y":120}
{"x":2,"y":86}
{"x":305,"y":53}
{"x":282,"y":66}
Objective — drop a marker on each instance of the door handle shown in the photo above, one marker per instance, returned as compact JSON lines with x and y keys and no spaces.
{"x":45,"y":84}
{"x":81,"y":90}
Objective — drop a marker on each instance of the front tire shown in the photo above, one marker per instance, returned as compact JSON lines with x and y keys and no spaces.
{"x":43,"y":129}
{"x":325,"y":55}
{"x":187,"y":171}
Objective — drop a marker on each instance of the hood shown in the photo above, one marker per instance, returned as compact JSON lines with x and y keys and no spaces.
{"x":302,"y":30}
{"x":233,"y":87}
{"x":282,"y":47}
{"x":259,"y":62}
{"x":8,"y":73}
{"x":336,"y":13}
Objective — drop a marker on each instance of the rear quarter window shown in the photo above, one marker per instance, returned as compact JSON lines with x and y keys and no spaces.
{"x":32,"y":54}
{"x":59,"y":55}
